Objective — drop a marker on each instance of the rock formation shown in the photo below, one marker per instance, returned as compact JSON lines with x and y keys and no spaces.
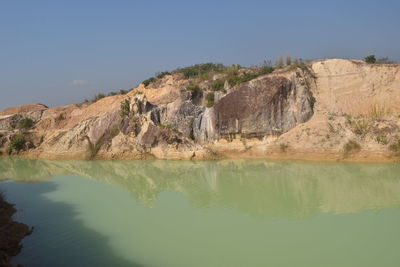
{"x":325,"y":110}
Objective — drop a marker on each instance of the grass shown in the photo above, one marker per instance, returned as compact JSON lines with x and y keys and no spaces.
{"x":351,"y":147}
{"x":377,"y":112}
{"x":210,"y":97}
{"x":359,"y":126}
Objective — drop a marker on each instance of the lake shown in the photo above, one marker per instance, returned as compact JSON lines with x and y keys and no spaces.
{"x":205,"y":213}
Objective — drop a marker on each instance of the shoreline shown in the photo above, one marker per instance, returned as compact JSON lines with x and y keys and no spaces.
{"x":305,"y":156}
{"x":11,"y":233}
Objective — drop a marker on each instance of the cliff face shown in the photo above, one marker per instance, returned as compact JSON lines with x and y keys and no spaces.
{"x":308,"y":112}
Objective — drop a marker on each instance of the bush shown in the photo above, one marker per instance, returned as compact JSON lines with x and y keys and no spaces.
{"x":120,"y":92}
{"x":383,"y":60}
{"x":358,"y":126}
{"x":193,"y":87}
{"x":265,"y":70}
{"x":160,"y":75}
{"x":218,"y":85}
{"x":114,"y":131}
{"x":25,"y":123}
{"x":288,"y":60}
{"x":234,"y":80}
{"x":279,"y":62}
{"x":148,"y":81}
{"x":17,"y":142}
{"x":125,"y":108}
{"x":382,"y":140}
{"x":200,"y":69}
{"x":98,"y":97}
{"x":395,"y":148}
{"x":370,"y":59}
{"x":210,"y":97}
{"x":283,"y":147}
{"x":351,"y":146}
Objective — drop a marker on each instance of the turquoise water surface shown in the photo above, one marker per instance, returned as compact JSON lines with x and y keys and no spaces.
{"x":220,"y":213}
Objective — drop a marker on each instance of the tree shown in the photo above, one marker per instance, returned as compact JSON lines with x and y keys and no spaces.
{"x":370,"y":59}
{"x":125,"y":108}
{"x":288,"y":60}
{"x":279,"y":63}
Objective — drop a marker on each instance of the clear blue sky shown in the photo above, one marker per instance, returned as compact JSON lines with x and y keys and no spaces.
{"x":58,"y":52}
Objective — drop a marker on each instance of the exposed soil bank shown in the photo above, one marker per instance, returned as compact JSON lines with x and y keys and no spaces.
{"x":11,"y":233}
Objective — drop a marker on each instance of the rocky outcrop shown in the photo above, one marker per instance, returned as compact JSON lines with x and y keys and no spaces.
{"x":310,"y":111}
{"x":11,"y":233}
{"x":262,"y":107}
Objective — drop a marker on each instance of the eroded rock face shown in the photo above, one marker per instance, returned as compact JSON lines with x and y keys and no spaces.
{"x":265,"y":106}
{"x":295,"y":109}
{"x":261,"y":107}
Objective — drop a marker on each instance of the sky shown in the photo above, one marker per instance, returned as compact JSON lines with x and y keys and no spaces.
{"x":60,"y":52}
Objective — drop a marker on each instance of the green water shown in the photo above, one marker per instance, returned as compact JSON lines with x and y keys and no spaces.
{"x":225,"y":213}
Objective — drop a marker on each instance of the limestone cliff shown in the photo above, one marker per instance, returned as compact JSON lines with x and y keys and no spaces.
{"x":325,"y":110}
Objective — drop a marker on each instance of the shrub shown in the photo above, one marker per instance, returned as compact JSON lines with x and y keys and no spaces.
{"x":148,"y":81}
{"x":17,"y":142}
{"x":265,"y":70}
{"x":234,"y":80}
{"x":98,"y":97}
{"x":25,"y":123}
{"x":193,"y":87}
{"x":233,"y":69}
{"x":352,"y":146}
{"x":200,"y":69}
{"x":383,"y":60}
{"x":279,"y":62}
{"x":382,"y":140}
{"x":218,"y":85}
{"x":370,"y":59}
{"x":120,"y":92}
{"x":114,"y":131}
{"x":395,"y":148}
{"x":358,"y":126}
{"x":288,"y":60}
{"x":125,"y":108}
{"x":283,"y":147}
{"x":160,"y":75}
{"x":210,"y":97}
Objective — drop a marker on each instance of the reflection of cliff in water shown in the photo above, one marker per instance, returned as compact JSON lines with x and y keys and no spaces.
{"x":278,"y":189}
